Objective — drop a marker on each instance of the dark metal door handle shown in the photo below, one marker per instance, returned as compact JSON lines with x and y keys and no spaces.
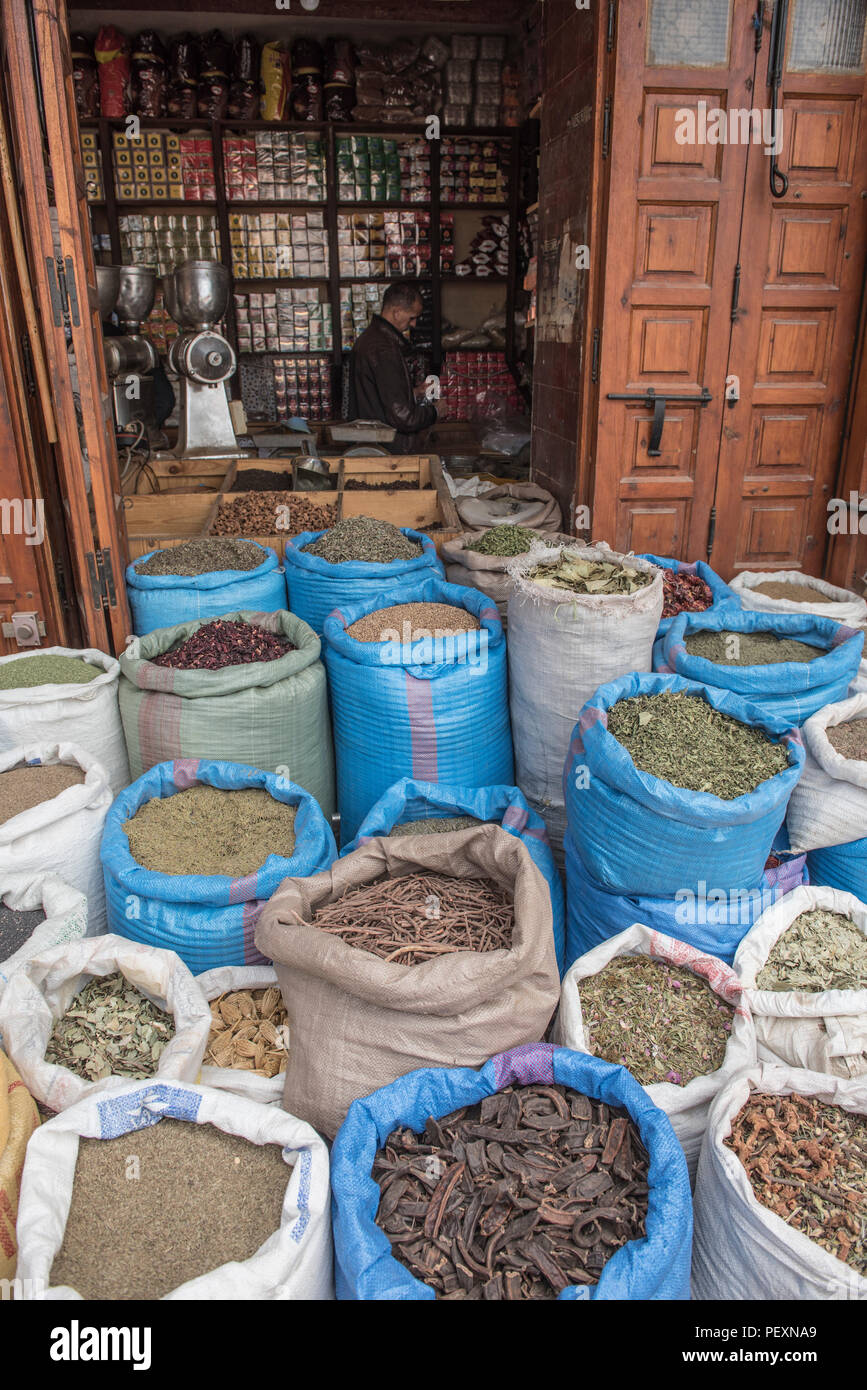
{"x":657,"y":401}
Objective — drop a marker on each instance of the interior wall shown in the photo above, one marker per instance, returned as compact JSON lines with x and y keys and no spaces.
{"x":565,"y":194}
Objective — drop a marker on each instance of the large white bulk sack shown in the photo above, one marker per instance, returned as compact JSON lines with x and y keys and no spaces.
{"x":293,"y":1264}
{"x":85,"y":714}
{"x":562,"y":647}
{"x":741,"y":1250}
{"x":225,"y":978}
{"x":686,"y":1106}
{"x":41,"y":992}
{"x":819,"y":1030}
{"x":829,"y":804}
{"x":844,"y":606}
{"x":62,"y":834}
{"x":65,"y":915}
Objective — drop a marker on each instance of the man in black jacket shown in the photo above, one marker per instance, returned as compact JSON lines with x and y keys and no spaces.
{"x":380,"y":387}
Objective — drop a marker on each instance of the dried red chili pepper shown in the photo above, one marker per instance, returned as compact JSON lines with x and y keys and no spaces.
{"x":684,"y":593}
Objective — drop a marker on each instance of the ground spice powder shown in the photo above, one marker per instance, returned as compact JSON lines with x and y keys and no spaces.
{"x":30,"y":671}
{"x":749,"y":648}
{"x":849,"y":739}
{"x":16,"y":928}
{"x":208,"y":830}
{"x":22,"y":788}
{"x":440,"y":825}
{"x":795,"y":593}
{"x":412,"y":622}
{"x":166,"y":1204}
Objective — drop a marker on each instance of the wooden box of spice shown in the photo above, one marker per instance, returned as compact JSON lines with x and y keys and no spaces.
{"x":408,"y":490}
{"x":270,"y":516}
{"x":160,"y":519}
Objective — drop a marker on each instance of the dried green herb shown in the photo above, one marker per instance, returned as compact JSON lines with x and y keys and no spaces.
{"x":110,"y":1029}
{"x":589,"y":576}
{"x":363,"y":538}
{"x":661,"y":1021}
{"x":29,"y":671}
{"x":819,"y":950}
{"x":434,"y":826}
{"x":205,"y":555}
{"x":807,"y":1163}
{"x":727,"y":648}
{"x":850,"y":739}
{"x":685,"y":741}
{"x":506,"y":540}
{"x":209,"y":830}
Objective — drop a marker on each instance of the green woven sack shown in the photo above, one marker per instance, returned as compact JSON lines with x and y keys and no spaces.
{"x":269,"y":714}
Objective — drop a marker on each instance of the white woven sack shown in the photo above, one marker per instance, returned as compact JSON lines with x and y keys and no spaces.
{"x":85,"y":714}
{"x":41,"y":991}
{"x":268,"y":1090}
{"x":829,"y":803}
{"x":859,"y":684}
{"x":65,"y":915}
{"x":62,"y":834}
{"x":562,"y":647}
{"x":686,"y":1106}
{"x":292,"y":1265}
{"x":820,"y":1030}
{"x":845,"y":607}
{"x":742,"y":1250}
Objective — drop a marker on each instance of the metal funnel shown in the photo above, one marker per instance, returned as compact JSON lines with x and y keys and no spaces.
{"x":107,"y":287}
{"x":138,"y":285}
{"x":201,"y":291}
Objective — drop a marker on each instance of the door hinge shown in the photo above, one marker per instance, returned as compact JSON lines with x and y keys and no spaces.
{"x":606,"y":128}
{"x":612,"y":16}
{"x":711,"y":532}
{"x":736,"y":291}
{"x":759,"y":24}
{"x":27,"y":364}
{"x":101,"y":571}
{"x":594,"y":358}
{"x":63,"y":291}
{"x":63,"y":592}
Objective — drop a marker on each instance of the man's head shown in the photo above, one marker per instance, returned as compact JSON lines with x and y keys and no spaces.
{"x":401,"y":305}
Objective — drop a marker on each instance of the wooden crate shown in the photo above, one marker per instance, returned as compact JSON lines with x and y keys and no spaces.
{"x":156,"y":520}
{"x":278,"y":540}
{"x":427,"y":507}
{"x":182,"y":475}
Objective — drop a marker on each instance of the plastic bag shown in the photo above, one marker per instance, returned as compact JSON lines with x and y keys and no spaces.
{"x":821,"y":1030}
{"x":841,"y":866}
{"x":149,"y":74}
{"x":62,"y":834}
{"x":294,"y":1264}
{"x":111,"y":51}
{"x":721,"y":592}
{"x":85,"y":76}
{"x":713,"y":921}
{"x":164,"y":600}
{"x":790,"y":690}
{"x":317,"y":587}
{"x":686,"y":1106}
{"x":65,"y":915}
{"x":742,"y":1250}
{"x":85,"y":714}
{"x":42,"y":990}
{"x":407,"y":800}
{"x":275,"y":81}
{"x":638,"y":834}
{"x":829,"y":804}
{"x":215,"y":60}
{"x":844,"y":607}
{"x":183,"y":74}
{"x":656,"y":1267}
{"x":244,"y":86}
{"x":267,"y":1090}
{"x":436,"y":709}
{"x":208,"y":919}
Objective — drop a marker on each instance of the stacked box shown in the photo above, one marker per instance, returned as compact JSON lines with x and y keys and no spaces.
{"x":164,"y":240}
{"x":481,"y":88}
{"x":372,"y":169}
{"x":158,"y":166}
{"x":302,"y":386}
{"x":283,"y":320}
{"x":358,"y":304}
{"x":278,"y":245}
{"x":394,"y":244}
{"x":274,"y":166}
{"x":90,"y":158}
{"x":474,"y":171}
{"x":477,"y":386}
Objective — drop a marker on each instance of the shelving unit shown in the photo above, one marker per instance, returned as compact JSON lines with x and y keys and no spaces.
{"x":110,"y":209}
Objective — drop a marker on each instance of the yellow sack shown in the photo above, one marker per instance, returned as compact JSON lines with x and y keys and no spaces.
{"x":18,"y":1119}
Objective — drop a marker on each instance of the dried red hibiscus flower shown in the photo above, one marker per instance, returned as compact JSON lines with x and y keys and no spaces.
{"x":684,"y":593}
{"x":223,"y":643}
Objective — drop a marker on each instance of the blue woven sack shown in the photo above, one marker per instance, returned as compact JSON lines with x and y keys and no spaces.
{"x":435,"y":709}
{"x":711,"y":922}
{"x":791,"y":690}
{"x":316,"y":586}
{"x":722,"y":594}
{"x":640,"y":835}
{"x":408,"y":801}
{"x":656,"y":1267}
{"x":208,"y":919}
{"x":163,"y":600}
{"x":841,"y":866}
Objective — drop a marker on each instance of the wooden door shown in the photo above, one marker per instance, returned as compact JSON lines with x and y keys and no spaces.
{"x":802,"y":272}
{"x":672,"y":244}
{"x":44,"y":129}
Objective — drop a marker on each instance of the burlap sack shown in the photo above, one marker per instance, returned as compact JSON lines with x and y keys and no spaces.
{"x":521,"y":504}
{"x":357,"y":1022}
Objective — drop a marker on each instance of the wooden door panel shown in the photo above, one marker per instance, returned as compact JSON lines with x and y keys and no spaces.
{"x":675,"y":243}
{"x":771,"y":534}
{"x":654,"y":529}
{"x":677,"y":446}
{"x":782,"y":440}
{"x":818,"y":139}
{"x":794,"y":347}
{"x":806,"y":247}
{"x":662,"y":154}
{"x":667,"y":346}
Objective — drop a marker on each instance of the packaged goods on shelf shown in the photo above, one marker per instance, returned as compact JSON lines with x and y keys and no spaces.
{"x":274,"y":166}
{"x":373,"y":169}
{"x":474,"y":171}
{"x":160,"y":166}
{"x":90,"y":158}
{"x":278,"y":245}
{"x":302,"y":386}
{"x":394,"y":243}
{"x":283,"y":320}
{"x":159,"y":326}
{"x":489,"y":250}
{"x":164,"y":240}
{"x":476,"y":385}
